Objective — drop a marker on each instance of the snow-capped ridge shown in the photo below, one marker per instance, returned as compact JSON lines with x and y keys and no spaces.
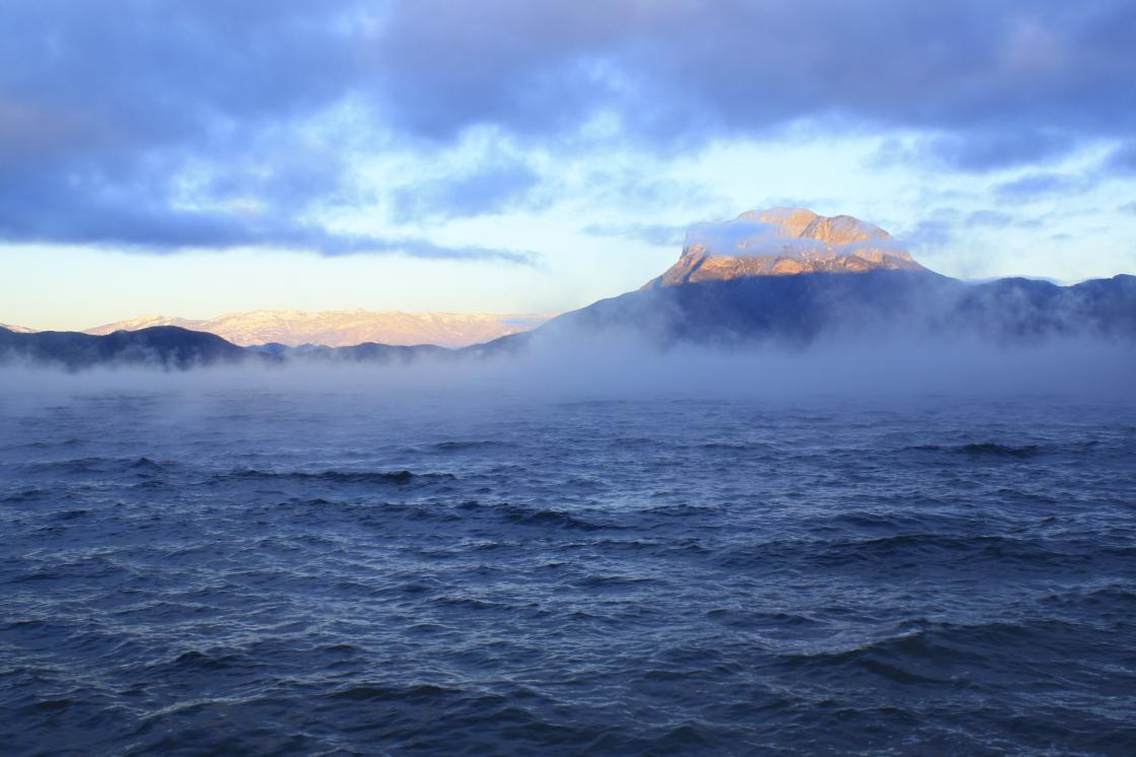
{"x":341,"y":328}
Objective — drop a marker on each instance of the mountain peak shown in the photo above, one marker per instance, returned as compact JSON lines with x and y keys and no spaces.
{"x":781,"y":242}
{"x":789,"y":221}
{"x":16,"y":329}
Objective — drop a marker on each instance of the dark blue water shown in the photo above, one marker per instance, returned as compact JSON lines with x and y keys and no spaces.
{"x":258,"y":571}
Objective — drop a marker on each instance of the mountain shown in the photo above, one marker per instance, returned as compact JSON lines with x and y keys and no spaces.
{"x":791,"y":276}
{"x":145,"y":322}
{"x":173,"y":347}
{"x":783,"y":276}
{"x":159,"y":346}
{"x":339,"y":328}
{"x":783,"y":242}
{"x":796,"y":310}
{"x":15,"y":329}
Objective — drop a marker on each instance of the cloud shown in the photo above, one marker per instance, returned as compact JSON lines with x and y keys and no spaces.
{"x":1122,"y":160}
{"x":661,"y":235}
{"x":986,"y":151}
{"x":421,"y":248}
{"x":672,"y":69}
{"x":742,"y":236}
{"x":139,"y":215}
{"x":944,"y":227}
{"x":434,"y":68}
{"x":990,"y":218}
{"x":1036,"y":186}
{"x":173,"y":120}
{"x":491,"y":188}
{"x":931,"y":234}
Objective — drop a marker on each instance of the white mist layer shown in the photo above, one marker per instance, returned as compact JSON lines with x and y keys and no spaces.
{"x":618,"y":368}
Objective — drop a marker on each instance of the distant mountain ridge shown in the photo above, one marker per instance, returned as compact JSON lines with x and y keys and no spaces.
{"x":871,"y":306}
{"x":162,"y":346}
{"x":786,"y":276}
{"x":177,"y":348}
{"x":342,"y":328}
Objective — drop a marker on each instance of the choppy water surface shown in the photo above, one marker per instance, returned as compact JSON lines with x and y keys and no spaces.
{"x":244,"y":570}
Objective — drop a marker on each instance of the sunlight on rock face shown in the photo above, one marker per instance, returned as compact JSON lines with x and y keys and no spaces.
{"x":784,"y":241}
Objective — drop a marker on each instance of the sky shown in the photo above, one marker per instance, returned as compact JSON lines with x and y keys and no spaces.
{"x":195,"y":158}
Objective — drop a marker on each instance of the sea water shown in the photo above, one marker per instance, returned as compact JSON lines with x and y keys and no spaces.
{"x":243,"y":569}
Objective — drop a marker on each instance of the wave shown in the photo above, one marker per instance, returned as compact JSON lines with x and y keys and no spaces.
{"x":945,"y":642}
{"x":1103,"y":603}
{"x":940,"y":654}
{"x":72,"y":442}
{"x":464,"y":446}
{"x":614,"y":583}
{"x":952,"y":551}
{"x":397,"y":478}
{"x":206,"y":661}
{"x":26,"y":495}
{"x":736,"y":447}
{"x":379,"y":693}
{"x":983,"y":449}
{"x":544,"y":518}
{"x":682,"y":510}
{"x":82,"y":465}
{"x":549,"y":518}
{"x":929,"y":544}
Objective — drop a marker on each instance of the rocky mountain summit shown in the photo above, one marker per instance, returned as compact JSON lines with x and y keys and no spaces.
{"x":784,"y":242}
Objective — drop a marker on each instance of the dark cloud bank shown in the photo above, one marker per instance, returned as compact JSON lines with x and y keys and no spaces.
{"x":149,"y":125}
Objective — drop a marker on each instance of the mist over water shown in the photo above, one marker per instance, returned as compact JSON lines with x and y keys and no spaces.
{"x":614,"y":364}
{"x":903,"y":547}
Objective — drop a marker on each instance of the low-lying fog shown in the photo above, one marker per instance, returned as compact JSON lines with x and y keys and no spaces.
{"x":624,"y":368}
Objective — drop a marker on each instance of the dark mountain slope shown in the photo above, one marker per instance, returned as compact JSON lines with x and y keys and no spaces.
{"x":791,"y":276}
{"x":800,"y":308}
{"x":161,"y":346}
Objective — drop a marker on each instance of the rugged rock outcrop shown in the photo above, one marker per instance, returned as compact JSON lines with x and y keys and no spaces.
{"x":784,"y":242}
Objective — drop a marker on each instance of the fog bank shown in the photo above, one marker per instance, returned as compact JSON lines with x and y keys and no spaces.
{"x":618,"y":366}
